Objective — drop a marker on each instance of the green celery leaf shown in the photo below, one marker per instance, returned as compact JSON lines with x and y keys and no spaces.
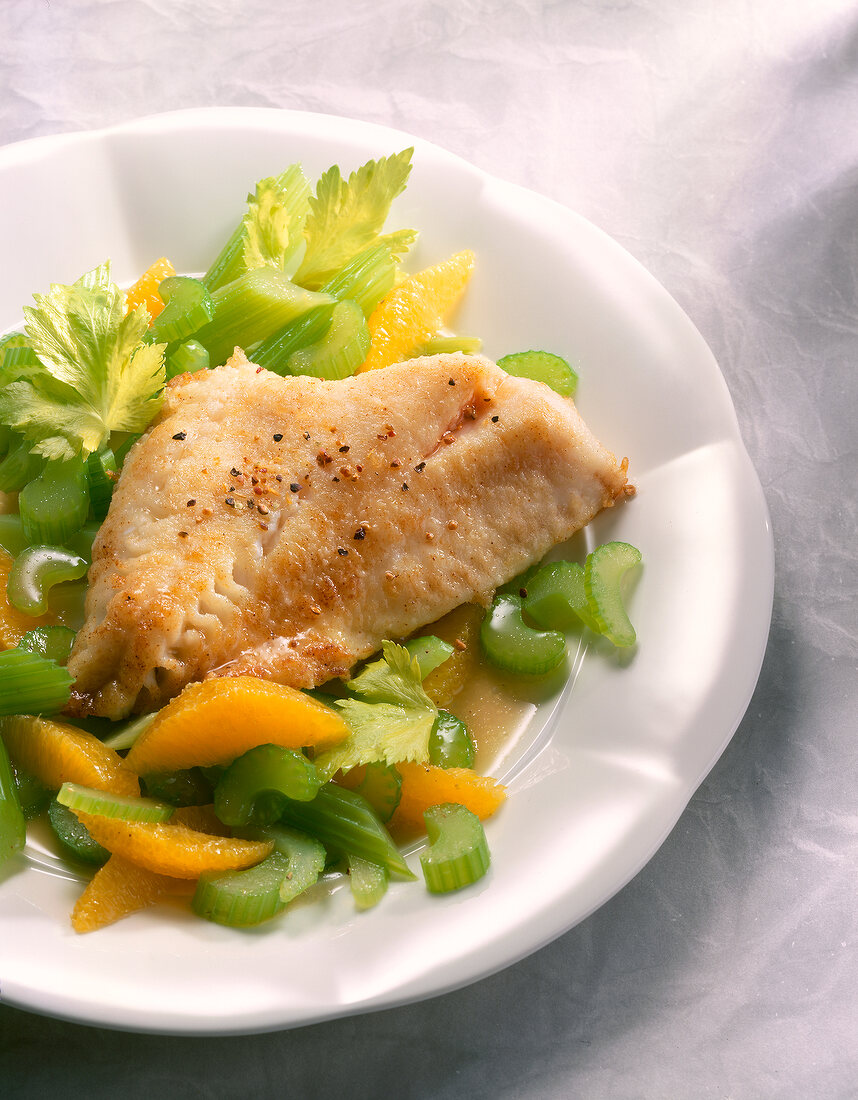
{"x":96,"y":374}
{"x":274,"y":223}
{"x":347,"y":215}
{"x":393,"y":719}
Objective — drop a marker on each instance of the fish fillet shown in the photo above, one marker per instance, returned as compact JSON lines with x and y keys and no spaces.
{"x":283,"y":527}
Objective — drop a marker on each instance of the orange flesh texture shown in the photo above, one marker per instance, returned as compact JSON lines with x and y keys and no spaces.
{"x":416,"y":310}
{"x":116,"y":890}
{"x":145,"y":290}
{"x":217,"y":720}
{"x":56,"y":753}
{"x":460,"y":628}
{"x":425,"y":785}
{"x":172,"y":848}
{"x":14,"y":624}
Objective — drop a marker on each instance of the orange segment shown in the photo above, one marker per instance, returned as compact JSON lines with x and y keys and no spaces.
{"x":172,"y":848}
{"x":116,"y":890}
{"x":56,"y":753}
{"x":145,"y":290}
{"x":14,"y":624}
{"x":416,"y":310}
{"x":218,"y":720}
{"x":460,"y":628}
{"x":425,"y":785}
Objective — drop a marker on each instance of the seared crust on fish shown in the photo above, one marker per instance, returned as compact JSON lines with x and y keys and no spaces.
{"x":284,"y":526}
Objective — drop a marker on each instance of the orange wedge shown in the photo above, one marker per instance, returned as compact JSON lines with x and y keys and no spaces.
{"x":145,"y":290}
{"x":56,"y":753}
{"x":172,"y":848}
{"x":425,"y":785}
{"x":116,"y":890}
{"x":416,"y":310}
{"x":14,"y":624}
{"x":218,"y":720}
{"x":460,"y":628}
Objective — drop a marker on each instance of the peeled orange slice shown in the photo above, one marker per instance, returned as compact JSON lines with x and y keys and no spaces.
{"x":145,"y":290}
{"x":460,"y":629}
{"x":56,"y":753}
{"x":172,"y":848}
{"x":218,"y":720}
{"x":116,"y":890}
{"x":416,"y":310}
{"x":425,"y":785}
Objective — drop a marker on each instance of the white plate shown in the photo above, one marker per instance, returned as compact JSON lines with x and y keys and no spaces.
{"x":599,"y":779}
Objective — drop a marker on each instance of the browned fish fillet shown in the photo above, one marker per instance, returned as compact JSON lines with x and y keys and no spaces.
{"x":284,"y":527}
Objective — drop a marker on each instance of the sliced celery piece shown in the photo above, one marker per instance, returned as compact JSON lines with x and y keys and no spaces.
{"x":512,"y":645}
{"x":381,"y":786}
{"x":603,"y":574}
{"x":368,"y":882}
{"x":309,"y":328}
{"x":53,"y":642}
{"x":128,"y":732}
{"x":431,"y":652}
{"x":117,"y":806}
{"x":189,"y":307}
{"x":450,"y":743}
{"x":74,"y":837}
{"x":556,"y":598}
{"x":340,"y":351}
{"x":458,"y":853}
{"x":33,"y":795}
{"x":344,"y":820}
{"x":30,"y":684}
{"x":19,"y":467}
{"x":256,"y":784}
{"x":186,"y":358}
{"x":366,"y":278}
{"x":182,"y":788}
{"x":444,"y":345}
{"x":101,"y":474}
{"x":36,"y":570}
{"x":241,"y":899}
{"x":252,"y":308}
{"x":55,"y":505}
{"x":13,"y":827}
{"x":12,"y":537}
{"x":542,"y":366}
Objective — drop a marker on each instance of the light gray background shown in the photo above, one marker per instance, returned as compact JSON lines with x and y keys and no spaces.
{"x":716,"y":140}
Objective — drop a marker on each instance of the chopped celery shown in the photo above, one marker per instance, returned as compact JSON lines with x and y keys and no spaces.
{"x":53,"y":642}
{"x":13,"y":827}
{"x":128,"y":732}
{"x":512,"y":645}
{"x":73,"y":835}
{"x":101,"y":474}
{"x":443,"y":345}
{"x":309,"y":328}
{"x":19,"y":467}
{"x":369,"y":275}
{"x":33,"y":795}
{"x":368,"y":882}
{"x":340,"y":351}
{"x":55,"y":505}
{"x":431,"y":652}
{"x":12,"y":537}
{"x":381,"y":786}
{"x":458,"y":853}
{"x":30,"y":684}
{"x":255,"y":785}
{"x":542,"y":366}
{"x":450,"y":743}
{"x":252,"y":308}
{"x":36,"y":570}
{"x":182,"y":788}
{"x":107,"y":804}
{"x":186,"y":358}
{"x":344,"y":820}
{"x":189,"y":307}
{"x":603,"y":574}
{"x":556,"y":598}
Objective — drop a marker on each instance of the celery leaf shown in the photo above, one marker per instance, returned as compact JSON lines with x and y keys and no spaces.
{"x":96,"y":374}
{"x":347,"y":215}
{"x":273,"y":225}
{"x":391,"y":721}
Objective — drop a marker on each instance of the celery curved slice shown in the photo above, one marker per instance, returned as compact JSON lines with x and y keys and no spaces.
{"x":458,"y":853}
{"x":512,"y":645}
{"x":107,"y":804}
{"x":603,"y":574}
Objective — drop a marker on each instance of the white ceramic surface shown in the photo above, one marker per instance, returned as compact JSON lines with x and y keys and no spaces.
{"x":609,"y":763}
